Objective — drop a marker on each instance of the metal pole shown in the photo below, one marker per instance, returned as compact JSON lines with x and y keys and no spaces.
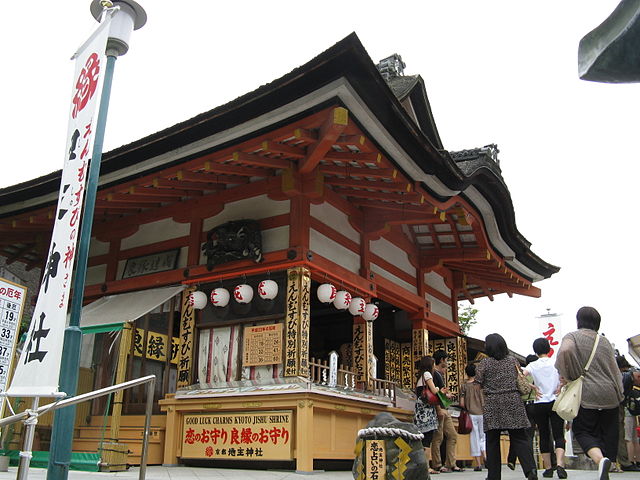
{"x":62,"y":433}
{"x":29,"y":433}
{"x":147,"y":427}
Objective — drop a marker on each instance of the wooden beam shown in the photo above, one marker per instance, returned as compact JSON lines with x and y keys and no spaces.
{"x":259,"y":160}
{"x":362,"y":159}
{"x":282,"y":149}
{"x":351,"y":183}
{"x":392,"y":197}
{"x":329,"y":132}
{"x":227,"y":169}
{"x":136,"y":198}
{"x":363,"y":172}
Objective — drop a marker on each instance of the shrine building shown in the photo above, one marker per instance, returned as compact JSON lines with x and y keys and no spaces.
{"x":279,"y":263}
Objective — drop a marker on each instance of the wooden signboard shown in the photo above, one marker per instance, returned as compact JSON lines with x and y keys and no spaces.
{"x":238,"y":435}
{"x":376,"y":462}
{"x":262,"y":345}
{"x":12,"y":301}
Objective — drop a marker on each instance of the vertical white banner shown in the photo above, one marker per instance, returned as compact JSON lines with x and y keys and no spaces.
{"x":550,"y":327}
{"x":38,"y":369}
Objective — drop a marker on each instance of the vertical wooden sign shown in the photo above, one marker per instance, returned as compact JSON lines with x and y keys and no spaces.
{"x":292,"y":326}
{"x":305,"y":321}
{"x":406,"y":366}
{"x":371,"y":366}
{"x":359,"y":356}
{"x":187,"y":328}
{"x":419,"y":347}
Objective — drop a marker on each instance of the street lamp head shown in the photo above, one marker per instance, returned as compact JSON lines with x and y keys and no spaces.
{"x":130,"y":16}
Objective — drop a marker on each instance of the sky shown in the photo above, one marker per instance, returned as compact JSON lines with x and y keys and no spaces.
{"x":501,"y":72}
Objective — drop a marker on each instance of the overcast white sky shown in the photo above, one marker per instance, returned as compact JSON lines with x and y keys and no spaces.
{"x":500,"y":72}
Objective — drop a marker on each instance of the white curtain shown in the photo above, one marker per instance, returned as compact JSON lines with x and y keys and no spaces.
{"x":219,"y":355}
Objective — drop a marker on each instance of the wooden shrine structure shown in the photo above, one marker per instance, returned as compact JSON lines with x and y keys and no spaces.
{"x":333,"y":174}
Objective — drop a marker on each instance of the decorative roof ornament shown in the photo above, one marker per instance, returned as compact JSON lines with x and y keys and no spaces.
{"x":391,"y":67}
{"x":609,"y":53}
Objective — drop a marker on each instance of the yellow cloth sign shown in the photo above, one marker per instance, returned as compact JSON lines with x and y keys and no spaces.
{"x":238,"y":435}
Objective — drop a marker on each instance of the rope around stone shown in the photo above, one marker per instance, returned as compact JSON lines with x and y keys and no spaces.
{"x":389,"y":432}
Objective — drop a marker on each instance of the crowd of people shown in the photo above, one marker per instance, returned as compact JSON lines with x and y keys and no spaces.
{"x":501,"y":397}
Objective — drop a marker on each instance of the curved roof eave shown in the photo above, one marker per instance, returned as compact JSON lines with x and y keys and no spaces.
{"x":347,"y":69}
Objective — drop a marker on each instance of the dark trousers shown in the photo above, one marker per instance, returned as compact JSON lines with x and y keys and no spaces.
{"x":523,"y":449}
{"x":597,"y":428}
{"x":530,"y":432}
{"x":549,"y":423}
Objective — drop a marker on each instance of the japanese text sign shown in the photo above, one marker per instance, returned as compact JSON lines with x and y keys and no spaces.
{"x":38,"y":369}
{"x":12,"y":299}
{"x":238,"y":435}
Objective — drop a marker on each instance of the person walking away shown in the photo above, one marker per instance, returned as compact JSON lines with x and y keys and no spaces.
{"x":503,"y":407}
{"x":549,"y":423}
{"x":425,"y":417}
{"x":631,"y":388}
{"x":445,"y":424}
{"x":528,"y":399}
{"x":472,"y":399}
{"x":596,"y":425}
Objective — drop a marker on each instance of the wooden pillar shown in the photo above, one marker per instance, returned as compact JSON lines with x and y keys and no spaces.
{"x":297,"y":322}
{"x":186,"y":350}
{"x":173,"y":437}
{"x":304,"y":436}
{"x":121,"y":371}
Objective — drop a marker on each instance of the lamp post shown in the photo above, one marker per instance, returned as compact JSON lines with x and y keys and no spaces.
{"x":130,"y":16}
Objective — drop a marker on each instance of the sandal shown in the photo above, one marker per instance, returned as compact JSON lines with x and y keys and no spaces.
{"x":444,"y":470}
{"x":433,"y":472}
{"x":457,"y":469}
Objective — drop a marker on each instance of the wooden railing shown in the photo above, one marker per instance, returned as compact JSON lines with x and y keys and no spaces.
{"x":320,"y":372}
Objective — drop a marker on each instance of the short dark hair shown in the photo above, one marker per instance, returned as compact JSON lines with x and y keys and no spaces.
{"x":588,"y":317}
{"x":496,"y":346}
{"x":439,"y":356}
{"x":530,"y":358}
{"x":470,"y":370}
{"x":541,"y":346}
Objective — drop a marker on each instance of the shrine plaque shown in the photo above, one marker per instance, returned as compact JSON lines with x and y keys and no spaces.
{"x":238,"y":435}
{"x":262,"y":345}
{"x":376,"y":463}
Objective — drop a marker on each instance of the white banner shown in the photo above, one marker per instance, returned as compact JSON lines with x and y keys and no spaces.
{"x":550,"y":327}
{"x":38,"y":369}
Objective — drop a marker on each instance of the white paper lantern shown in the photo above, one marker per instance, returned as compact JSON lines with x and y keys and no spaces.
{"x":268,"y":289}
{"x":198,"y":300}
{"x":326,"y":293}
{"x":243,"y":293}
{"x":343,"y":300}
{"x":356,"y":307}
{"x":370,"y":312}
{"x":220,"y":297}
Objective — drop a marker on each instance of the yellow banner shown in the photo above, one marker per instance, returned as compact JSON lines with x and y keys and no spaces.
{"x":238,"y":435}
{"x":157,"y":348}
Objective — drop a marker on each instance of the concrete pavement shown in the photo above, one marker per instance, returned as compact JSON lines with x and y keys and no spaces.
{"x":200,"y":473}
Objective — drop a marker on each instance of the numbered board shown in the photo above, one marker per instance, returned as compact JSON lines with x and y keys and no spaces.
{"x":12,"y":298}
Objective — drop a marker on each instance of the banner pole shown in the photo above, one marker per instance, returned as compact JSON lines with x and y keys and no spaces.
{"x":64,"y":418}
{"x":30,"y":431}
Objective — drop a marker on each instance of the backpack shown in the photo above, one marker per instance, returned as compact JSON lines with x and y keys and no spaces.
{"x":632,"y":401}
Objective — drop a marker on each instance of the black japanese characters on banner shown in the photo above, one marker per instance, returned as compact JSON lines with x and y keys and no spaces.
{"x":236,"y":240}
{"x":187,"y":327}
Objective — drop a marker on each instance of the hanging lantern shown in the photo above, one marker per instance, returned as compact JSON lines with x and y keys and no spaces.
{"x":243,"y":293}
{"x":326,"y":293}
{"x":356,"y":307}
{"x":220,"y":297}
{"x":198,"y":300}
{"x":342,"y":301}
{"x":370,"y":312}
{"x":268,"y":289}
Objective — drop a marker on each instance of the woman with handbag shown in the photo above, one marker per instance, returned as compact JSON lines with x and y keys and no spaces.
{"x":425,"y":417}
{"x":472,"y":400}
{"x":596,"y":423}
{"x":503,"y":407}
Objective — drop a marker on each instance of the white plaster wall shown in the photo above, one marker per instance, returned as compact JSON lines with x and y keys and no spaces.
{"x":96,"y":247}
{"x":326,"y":247}
{"x":153,"y":232}
{"x":96,"y":274}
{"x":436,"y":281}
{"x":439,"y":307}
{"x":334,"y":218}
{"x":392,"y":254}
{"x":391,"y":277}
{"x":254,"y":208}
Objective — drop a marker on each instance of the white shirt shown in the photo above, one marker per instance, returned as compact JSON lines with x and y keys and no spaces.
{"x":423,"y":381}
{"x":546,"y":377}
